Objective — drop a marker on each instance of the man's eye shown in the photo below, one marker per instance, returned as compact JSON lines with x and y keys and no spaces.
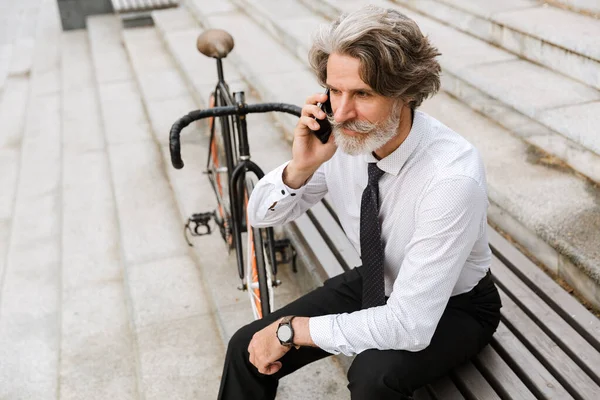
{"x":362,"y":94}
{"x":334,"y":91}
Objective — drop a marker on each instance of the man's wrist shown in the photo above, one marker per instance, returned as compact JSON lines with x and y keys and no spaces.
{"x":302,"y":332}
{"x":295,"y":178}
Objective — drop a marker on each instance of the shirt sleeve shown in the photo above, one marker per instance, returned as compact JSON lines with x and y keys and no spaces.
{"x":450,"y":219}
{"x":272,"y":202}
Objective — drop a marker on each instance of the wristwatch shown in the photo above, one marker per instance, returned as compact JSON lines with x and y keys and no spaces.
{"x":285,"y":332}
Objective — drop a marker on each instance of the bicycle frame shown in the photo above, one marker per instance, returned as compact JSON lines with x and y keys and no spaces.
{"x":236,"y":173}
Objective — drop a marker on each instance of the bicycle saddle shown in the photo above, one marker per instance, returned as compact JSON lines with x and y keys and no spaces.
{"x":215,"y":43}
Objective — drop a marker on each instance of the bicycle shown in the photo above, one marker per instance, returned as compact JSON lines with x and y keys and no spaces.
{"x":233,"y":176}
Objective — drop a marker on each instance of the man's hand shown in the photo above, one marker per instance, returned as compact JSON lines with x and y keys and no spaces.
{"x":265,"y":350}
{"x":308,"y":153}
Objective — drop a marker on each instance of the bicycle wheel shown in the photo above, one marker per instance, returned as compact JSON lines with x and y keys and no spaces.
{"x":258,"y":271}
{"x":217,"y":168}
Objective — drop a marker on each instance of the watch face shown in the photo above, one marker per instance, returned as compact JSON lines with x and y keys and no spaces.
{"x":284,"y":333}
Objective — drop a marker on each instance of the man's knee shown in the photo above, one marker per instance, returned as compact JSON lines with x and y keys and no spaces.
{"x":371,"y":377}
{"x":239,"y":342}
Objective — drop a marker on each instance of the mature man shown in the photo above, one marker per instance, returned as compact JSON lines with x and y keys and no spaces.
{"x":411,"y":196}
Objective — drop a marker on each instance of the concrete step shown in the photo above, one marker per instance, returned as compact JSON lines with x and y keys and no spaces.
{"x":24,"y":39}
{"x":18,"y":24}
{"x":528,"y":29}
{"x":282,"y":70}
{"x":97,"y":344}
{"x":179,"y":31}
{"x":30,"y":230}
{"x":175,"y":29}
{"x":5,"y":55}
{"x":585,"y":7}
{"x":545,"y":108}
{"x":548,"y":208}
{"x":175,"y":339}
{"x":13,"y":107}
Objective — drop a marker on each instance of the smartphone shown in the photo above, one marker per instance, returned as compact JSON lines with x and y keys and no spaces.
{"x":324,"y":130}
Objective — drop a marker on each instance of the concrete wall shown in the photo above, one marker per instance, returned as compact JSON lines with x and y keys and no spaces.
{"x":74,"y":12}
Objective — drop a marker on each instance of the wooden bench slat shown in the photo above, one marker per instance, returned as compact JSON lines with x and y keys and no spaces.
{"x":336,"y":235}
{"x":471,"y":382}
{"x":563,"y":303}
{"x":322,"y":253}
{"x":328,"y":203}
{"x":571,"y":376}
{"x":502,"y":378}
{"x":445,"y":389}
{"x":527,"y":367}
{"x":581,"y":351}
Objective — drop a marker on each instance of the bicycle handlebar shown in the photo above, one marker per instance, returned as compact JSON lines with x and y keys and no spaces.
{"x":174,"y":135}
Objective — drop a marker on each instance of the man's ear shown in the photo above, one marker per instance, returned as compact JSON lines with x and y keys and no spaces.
{"x":407,"y":100}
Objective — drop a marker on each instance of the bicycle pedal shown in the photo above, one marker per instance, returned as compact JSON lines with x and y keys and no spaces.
{"x":198,"y":224}
{"x":276,"y":283}
{"x":202,"y":218}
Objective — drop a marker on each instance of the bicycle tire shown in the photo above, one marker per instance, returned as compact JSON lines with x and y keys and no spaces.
{"x":259,"y":283}
{"x":217,"y":158}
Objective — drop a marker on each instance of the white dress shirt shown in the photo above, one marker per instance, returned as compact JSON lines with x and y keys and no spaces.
{"x":433,"y":216}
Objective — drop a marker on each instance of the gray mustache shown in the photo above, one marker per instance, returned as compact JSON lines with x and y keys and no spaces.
{"x":355,"y":126}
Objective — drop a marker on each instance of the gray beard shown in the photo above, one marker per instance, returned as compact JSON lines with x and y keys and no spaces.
{"x":370,"y":136}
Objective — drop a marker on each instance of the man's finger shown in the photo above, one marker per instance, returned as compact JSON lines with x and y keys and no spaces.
{"x":273,"y":368}
{"x":315,"y":98}
{"x":309,"y":122}
{"x":312,"y":110}
{"x":252,"y":358}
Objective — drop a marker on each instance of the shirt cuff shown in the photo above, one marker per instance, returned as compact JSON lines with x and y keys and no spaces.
{"x":281,"y":190}
{"x":321,"y":332}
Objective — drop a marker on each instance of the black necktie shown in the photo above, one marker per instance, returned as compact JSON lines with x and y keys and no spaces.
{"x":371,"y":247}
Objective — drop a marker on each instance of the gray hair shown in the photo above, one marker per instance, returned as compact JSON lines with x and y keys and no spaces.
{"x":396,"y":59}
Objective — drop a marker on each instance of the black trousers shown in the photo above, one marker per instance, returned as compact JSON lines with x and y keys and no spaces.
{"x":466,"y":326}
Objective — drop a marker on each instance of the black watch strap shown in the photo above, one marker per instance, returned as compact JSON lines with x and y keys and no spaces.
{"x":287,"y":320}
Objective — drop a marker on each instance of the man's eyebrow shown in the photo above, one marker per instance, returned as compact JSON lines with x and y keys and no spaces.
{"x":366,"y":90}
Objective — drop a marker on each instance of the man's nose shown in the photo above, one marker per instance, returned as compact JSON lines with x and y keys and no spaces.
{"x":345,"y":110}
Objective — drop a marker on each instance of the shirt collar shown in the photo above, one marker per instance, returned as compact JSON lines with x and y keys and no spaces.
{"x":393,"y":163}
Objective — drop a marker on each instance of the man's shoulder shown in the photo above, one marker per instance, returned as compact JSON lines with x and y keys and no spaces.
{"x":450,"y":153}
{"x":437,"y":133}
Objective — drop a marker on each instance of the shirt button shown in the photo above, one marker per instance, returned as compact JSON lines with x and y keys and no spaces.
{"x":282,"y":191}
{"x":292,"y":194}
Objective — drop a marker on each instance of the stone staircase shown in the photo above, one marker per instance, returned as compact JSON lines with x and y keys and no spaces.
{"x":100,"y":297}
{"x":541,"y":180}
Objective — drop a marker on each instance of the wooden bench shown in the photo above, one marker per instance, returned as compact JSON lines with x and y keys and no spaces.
{"x":546,"y":347}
